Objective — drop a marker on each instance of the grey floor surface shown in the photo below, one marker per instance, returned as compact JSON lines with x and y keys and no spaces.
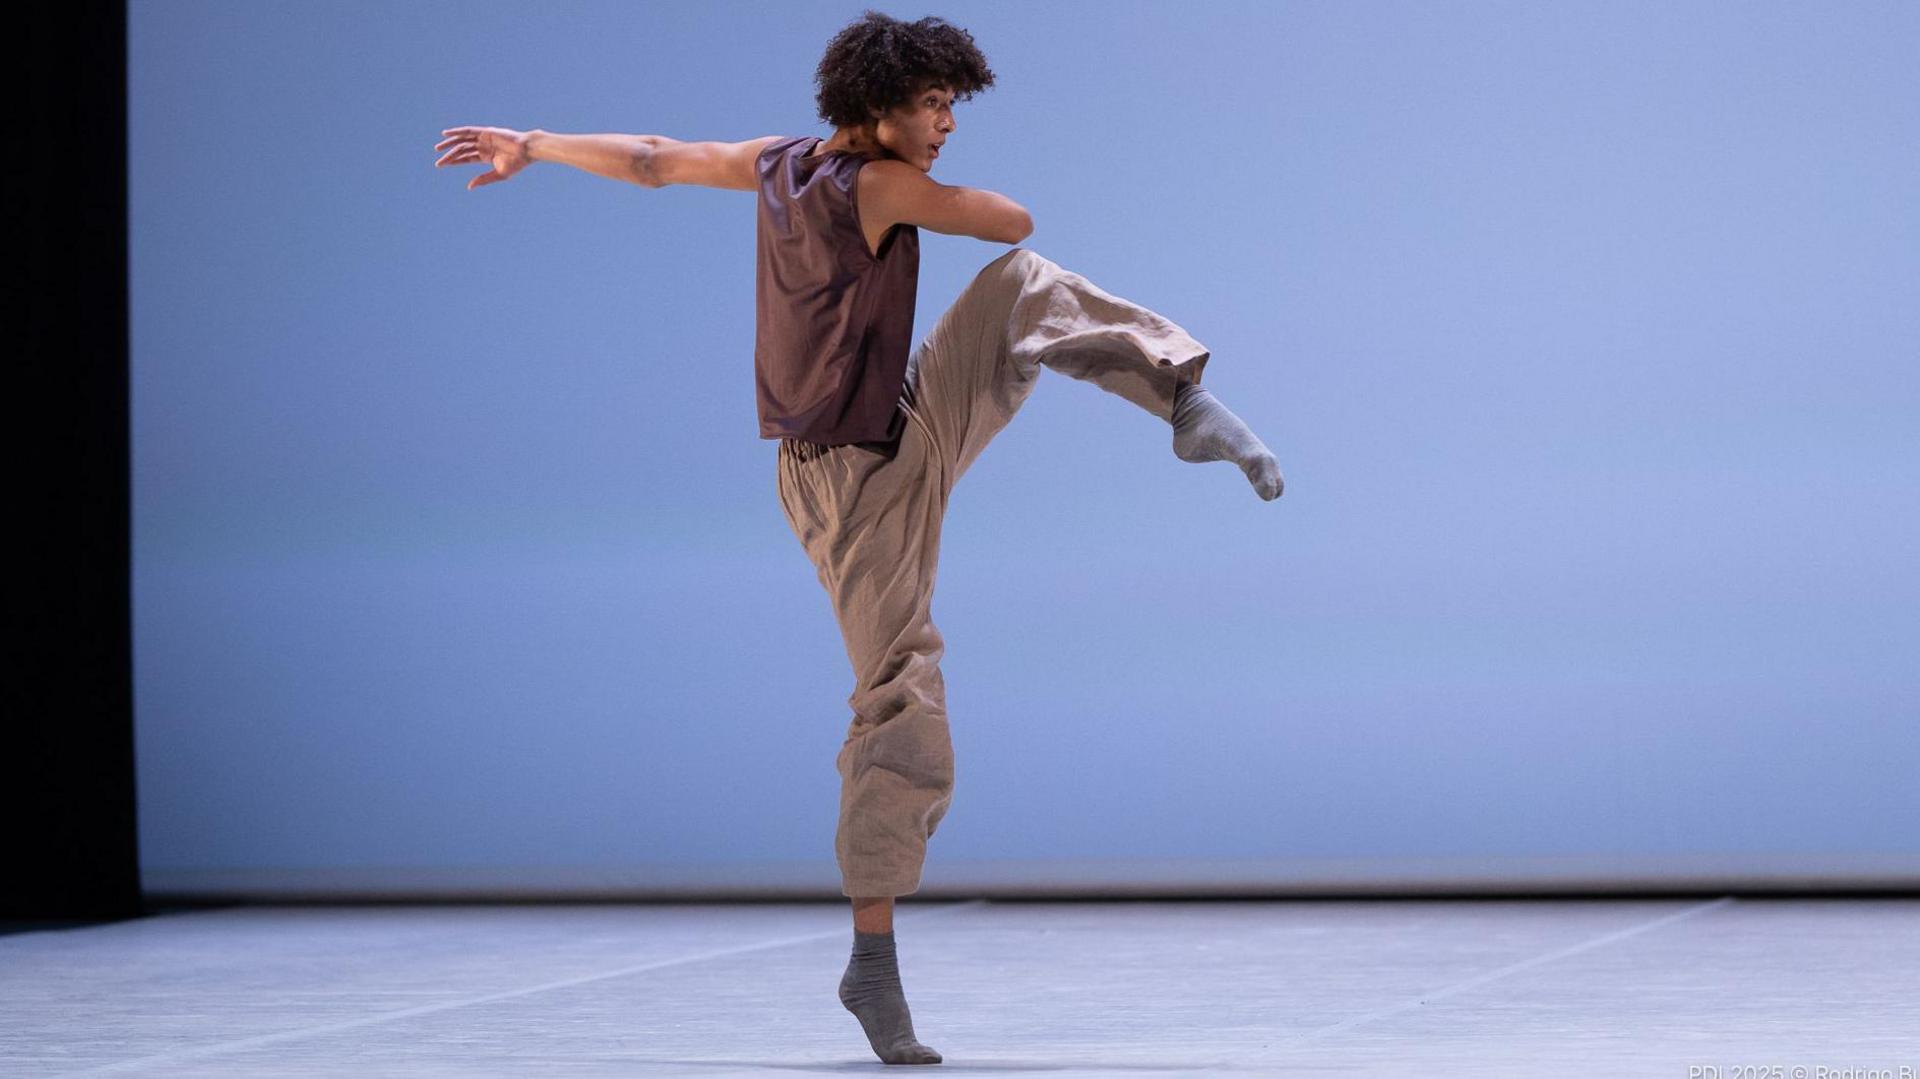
{"x":1665,"y":987}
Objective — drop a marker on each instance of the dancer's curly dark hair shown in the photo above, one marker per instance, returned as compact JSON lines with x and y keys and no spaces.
{"x":877,"y":62}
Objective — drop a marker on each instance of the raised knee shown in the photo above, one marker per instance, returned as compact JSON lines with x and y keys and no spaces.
{"x":1027,"y":258}
{"x":1025,"y":265}
{"x":1019,"y":258}
{"x":1012,"y":270}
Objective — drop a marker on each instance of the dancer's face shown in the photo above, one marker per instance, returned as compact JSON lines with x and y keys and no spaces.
{"x":913,"y":132}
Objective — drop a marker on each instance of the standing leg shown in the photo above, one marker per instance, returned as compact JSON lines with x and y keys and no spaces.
{"x":869,"y":519}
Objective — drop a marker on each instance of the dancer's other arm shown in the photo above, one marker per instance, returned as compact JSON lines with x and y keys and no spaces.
{"x":893,"y":192}
{"x":647,"y":160}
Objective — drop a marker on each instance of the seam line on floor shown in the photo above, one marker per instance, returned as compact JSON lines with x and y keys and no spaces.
{"x":1511,"y":968}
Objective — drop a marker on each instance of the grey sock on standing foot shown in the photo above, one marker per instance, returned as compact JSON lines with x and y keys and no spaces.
{"x":1206,"y":430}
{"x":870,"y":989}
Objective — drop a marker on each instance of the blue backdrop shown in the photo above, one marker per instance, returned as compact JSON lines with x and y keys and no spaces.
{"x":1585,"y":333}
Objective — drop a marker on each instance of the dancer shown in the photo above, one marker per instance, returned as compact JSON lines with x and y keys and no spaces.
{"x":873,"y":433}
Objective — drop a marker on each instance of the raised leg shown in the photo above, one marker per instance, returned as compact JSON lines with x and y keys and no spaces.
{"x":1023,"y":312}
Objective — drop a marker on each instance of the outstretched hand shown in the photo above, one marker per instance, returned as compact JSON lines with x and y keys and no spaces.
{"x":503,"y":148}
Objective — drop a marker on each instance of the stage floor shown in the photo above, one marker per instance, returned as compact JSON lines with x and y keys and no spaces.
{"x":1668,"y":987}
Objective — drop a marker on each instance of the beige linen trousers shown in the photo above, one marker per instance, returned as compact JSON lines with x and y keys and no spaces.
{"x":869,"y":517}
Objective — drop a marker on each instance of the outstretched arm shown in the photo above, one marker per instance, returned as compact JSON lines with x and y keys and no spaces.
{"x":727,"y":165}
{"x":647,"y":160}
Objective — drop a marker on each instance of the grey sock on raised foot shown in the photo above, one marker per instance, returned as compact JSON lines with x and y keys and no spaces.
{"x":1206,"y":430}
{"x":870,"y":989}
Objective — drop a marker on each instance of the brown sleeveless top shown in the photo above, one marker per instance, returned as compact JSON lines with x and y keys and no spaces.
{"x":834,"y":321}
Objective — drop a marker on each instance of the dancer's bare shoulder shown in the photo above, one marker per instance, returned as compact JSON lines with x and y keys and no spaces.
{"x":892,"y":192}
